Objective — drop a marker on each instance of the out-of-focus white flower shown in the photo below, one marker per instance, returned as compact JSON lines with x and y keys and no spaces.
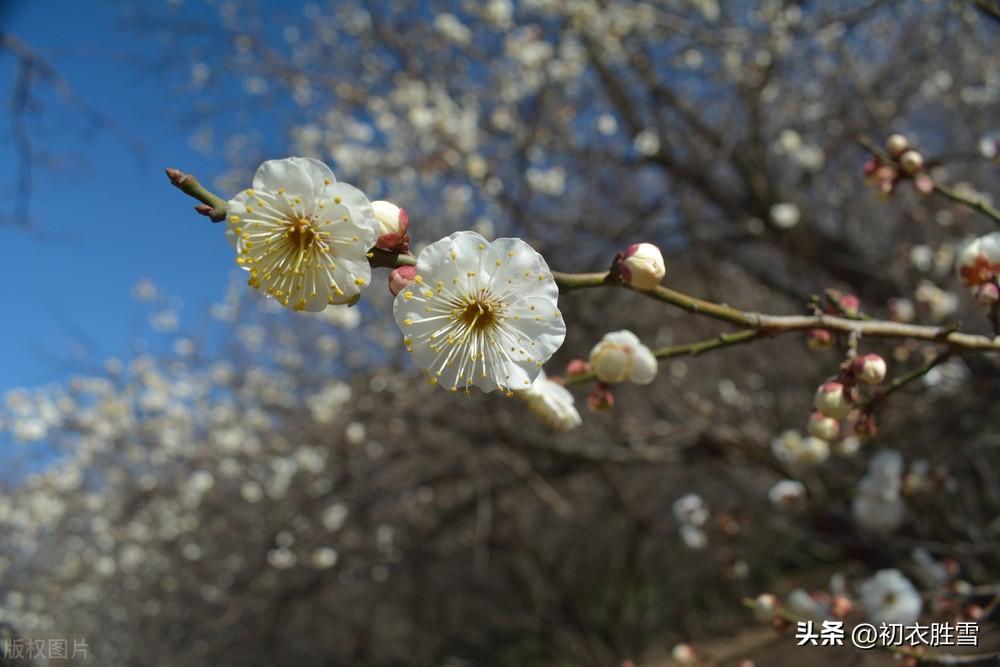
{"x":989,"y":146}
{"x":940,"y":303}
{"x":787,"y":494}
{"x":801,"y":603}
{"x":693,"y":537}
{"x":978,"y":261}
{"x":833,"y":399}
{"x":647,"y":142}
{"x":480,"y":313}
{"x":642,"y":266}
{"x":790,"y":447}
{"x":684,"y":654}
{"x":691,"y":509}
{"x":869,"y":369}
{"x":303,"y":236}
{"x":889,"y":597}
{"x":552,"y":402}
{"x":620,"y":357}
{"x":785,"y":215}
{"x":878,"y":505}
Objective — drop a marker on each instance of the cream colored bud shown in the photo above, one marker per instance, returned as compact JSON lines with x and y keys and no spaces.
{"x":896,"y":144}
{"x":642,"y":266}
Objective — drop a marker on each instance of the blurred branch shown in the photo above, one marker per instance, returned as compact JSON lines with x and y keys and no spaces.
{"x":32,"y":67}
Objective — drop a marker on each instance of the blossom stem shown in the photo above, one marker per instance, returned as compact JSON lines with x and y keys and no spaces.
{"x":213,"y":206}
{"x":779,"y":324}
{"x":903,"y":380}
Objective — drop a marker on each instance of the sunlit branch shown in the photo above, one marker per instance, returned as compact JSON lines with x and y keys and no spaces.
{"x":778,"y":324}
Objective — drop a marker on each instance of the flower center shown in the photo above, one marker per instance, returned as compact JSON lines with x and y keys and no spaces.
{"x":479,"y":315}
{"x":300,"y":233}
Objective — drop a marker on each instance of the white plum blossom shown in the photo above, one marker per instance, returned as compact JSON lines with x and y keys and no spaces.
{"x":878,"y":506}
{"x":889,"y":597}
{"x":691,"y":509}
{"x":620,"y":357}
{"x":791,"y":448}
{"x":978,"y":260}
{"x":787,"y":493}
{"x":785,"y":215}
{"x":480,"y":314}
{"x":303,"y":236}
{"x":552,"y":402}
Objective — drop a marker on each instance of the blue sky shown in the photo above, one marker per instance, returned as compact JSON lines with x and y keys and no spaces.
{"x":106,"y":218}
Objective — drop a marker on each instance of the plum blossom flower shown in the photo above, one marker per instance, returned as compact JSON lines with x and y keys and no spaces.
{"x":889,"y":597}
{"x":480,"y":313}
{"x":552,"y":402}
{"x":303,"y":236}
{"x":620,"y":357}
{"x":878,"y":505}
{"x":979,"y":260}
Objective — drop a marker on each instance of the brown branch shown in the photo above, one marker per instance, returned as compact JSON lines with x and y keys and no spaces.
{"x":779,"y":324}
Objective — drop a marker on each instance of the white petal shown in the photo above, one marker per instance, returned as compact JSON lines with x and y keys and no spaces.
{"x":287,"y":175}
{"x":623,"y":337}
{"x":644,"y":365}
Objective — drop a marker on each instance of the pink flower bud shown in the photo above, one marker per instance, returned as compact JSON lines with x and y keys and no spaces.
{"x":601,"y":399}
{"x":400,"y":278}
{"x":577,"y":367}
{"x":896,"y":145}
{"x":823,"y":427}
{"x":850,"y":305}
{"x":393,"y":224}
{"x":869,"y":369}
{"x":642,"y":266}
{"x":911,"y":162}
{"x":819,"y":339}
{"x":841,"y":606}
{"x":924,"y":183}
{"x":987,"y":295}
{"x":833,"y":399}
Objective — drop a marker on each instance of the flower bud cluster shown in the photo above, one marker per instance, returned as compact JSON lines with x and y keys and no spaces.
{"x":903,"y":162}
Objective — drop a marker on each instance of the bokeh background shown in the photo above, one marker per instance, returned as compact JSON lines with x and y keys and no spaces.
{"x":192,"y":476}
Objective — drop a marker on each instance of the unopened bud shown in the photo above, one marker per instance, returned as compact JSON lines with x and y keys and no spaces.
{"x":401,"y":278}
{"x":823,"y":427}
{"x":911,"y":162}
{"x":393,"y":224}
{"x":642,"y":266}
{"x":765,"y":607}
{"x":850,"y":305}
{"x":683,"y":654}
{"x":923,"y":183}
{"x":601,"y":399}
{"x":987,"y":295}
{"x":833,"y":399}
{"x":819,"y":339}
{"x":869,"y":369}
{"x":896,"y":144}
{"x":577,"y":367}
